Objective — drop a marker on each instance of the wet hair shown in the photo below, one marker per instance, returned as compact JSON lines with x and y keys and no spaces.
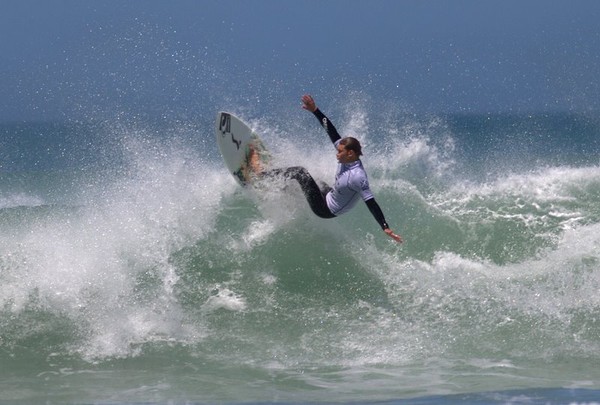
{"x":352,"y":144}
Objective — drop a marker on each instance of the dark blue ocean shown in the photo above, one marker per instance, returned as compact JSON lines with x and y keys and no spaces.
{"x":133,"y":268}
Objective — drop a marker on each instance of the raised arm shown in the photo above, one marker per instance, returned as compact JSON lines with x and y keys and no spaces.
{"x":308,"y":103}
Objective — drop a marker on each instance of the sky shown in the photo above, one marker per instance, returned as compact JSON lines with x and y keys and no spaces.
{"x":74,"y":59}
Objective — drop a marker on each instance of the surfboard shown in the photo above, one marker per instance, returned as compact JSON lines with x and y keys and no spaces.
{"x":244,"y":153}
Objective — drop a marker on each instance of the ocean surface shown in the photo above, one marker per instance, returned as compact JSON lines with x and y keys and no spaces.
{"x":133,"y":269}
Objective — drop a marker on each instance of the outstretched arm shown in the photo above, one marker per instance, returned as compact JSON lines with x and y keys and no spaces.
{"x":308,"y":103}
{"x":378,"y":214}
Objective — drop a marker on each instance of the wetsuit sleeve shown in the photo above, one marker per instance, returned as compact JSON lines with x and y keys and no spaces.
{"x":377,"y":213}
{"x":325,"y":123}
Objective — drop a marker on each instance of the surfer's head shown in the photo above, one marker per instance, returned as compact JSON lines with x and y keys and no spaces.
{"x":349,"y":150}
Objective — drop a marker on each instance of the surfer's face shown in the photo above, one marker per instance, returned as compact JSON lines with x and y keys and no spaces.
{"x":344,"y":155}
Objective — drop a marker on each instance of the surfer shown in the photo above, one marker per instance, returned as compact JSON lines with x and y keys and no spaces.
{"x":351,"y":182}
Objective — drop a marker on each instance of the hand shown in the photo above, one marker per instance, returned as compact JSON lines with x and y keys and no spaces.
{"x":392,"y":235}
{"x":308,"y":103}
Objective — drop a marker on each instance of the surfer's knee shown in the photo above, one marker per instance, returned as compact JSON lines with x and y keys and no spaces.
{"x":297,"y":173}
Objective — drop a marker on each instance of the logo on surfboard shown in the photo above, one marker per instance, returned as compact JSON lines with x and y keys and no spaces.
{"x":225,"y":128}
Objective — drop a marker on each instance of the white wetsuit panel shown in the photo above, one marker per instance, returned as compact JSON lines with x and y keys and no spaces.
{"x":351,"y":185}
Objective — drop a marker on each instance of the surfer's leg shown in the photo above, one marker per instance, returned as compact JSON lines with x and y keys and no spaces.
{"x":315,"y":196}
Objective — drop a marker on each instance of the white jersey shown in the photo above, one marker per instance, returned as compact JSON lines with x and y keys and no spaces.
{"x":351,"y":184}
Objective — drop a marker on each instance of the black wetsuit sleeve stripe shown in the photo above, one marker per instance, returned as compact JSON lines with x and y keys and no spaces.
{"x":329,"y":127}
{"x":377,"y":213}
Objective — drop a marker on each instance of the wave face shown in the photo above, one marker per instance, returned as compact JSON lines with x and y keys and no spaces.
{"x":140,"y":263}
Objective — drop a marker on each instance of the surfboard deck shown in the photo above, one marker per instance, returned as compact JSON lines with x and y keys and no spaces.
{"x":243,"y":152}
